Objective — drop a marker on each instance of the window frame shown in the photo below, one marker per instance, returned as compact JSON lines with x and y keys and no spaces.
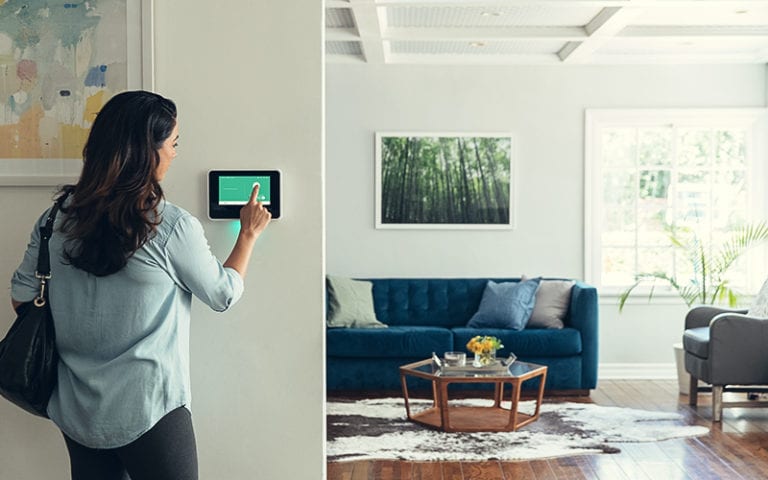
{"x":753,"y":120}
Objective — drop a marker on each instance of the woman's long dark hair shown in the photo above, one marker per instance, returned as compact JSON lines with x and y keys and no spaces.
{"x":113,"y":208}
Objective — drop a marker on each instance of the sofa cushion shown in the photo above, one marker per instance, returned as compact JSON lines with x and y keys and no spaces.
{"x":696,"y":341}
{"x":552,"y":300}
{"x":415,"y":342}
{"x":506,"y":305}
{"x":528,"y":343}
{"x":563,"y":373}
{"x":350,"y":303}
{"x":427,"y":302}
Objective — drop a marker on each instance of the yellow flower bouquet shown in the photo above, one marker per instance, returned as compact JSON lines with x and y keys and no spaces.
{"x":484,"y":348}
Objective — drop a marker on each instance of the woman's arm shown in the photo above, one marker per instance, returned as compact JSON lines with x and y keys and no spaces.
{"x":254,"y":218}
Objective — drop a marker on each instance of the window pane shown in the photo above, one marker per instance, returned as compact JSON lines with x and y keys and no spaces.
{"x":694,"y":147}
{"x":693,"y":199}
{"x":654,"y":184}
{"x":730,"y":150}
{"x":652,"y":260}
{"x":619,"y":238}
{"x":652,"y":233}
{"x":619,"y":147}
{"x":618,"y":266}
{"x":653,"y":206}
{"x":655,"y":146}
{"x":729,"y":199}
{"x":619,"y":201}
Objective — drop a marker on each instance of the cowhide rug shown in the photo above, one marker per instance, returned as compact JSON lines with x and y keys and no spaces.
{"x":378,"y":429}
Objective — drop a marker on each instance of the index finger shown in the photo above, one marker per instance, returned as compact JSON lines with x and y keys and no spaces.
{"x":254,"y":193}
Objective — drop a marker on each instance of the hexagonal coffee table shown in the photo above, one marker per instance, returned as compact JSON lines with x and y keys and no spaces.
{"x":461,"y":418}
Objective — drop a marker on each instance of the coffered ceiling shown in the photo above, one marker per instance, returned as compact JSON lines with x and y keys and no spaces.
{"x":540,"y":32}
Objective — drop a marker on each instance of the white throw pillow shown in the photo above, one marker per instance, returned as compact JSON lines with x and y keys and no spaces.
{"x":759,"y":307}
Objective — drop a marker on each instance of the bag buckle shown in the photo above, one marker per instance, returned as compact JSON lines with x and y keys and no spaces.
{"x":40,"y":299}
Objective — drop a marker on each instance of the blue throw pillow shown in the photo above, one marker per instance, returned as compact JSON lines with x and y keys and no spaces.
{"x":506,"y":305}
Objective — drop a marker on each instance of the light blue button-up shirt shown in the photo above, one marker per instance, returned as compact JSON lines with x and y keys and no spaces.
{"x":123,"y":339}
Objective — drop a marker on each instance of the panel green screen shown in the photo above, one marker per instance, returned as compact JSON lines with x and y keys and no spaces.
{"x":237,"y":190}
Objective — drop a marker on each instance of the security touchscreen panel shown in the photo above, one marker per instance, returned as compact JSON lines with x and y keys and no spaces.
{"x":229,"y":190}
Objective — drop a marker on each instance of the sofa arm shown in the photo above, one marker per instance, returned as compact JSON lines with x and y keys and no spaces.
{"x":700,"y":316}
{"x":583,"y":316}
{"x":737,"y":350}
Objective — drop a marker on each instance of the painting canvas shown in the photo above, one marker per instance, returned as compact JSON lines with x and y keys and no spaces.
{"x":60,"y":61}
{"x":444,"y":181}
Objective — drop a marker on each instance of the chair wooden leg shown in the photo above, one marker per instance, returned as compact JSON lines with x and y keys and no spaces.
{"x":693,"y":391}
{"x":717,"y":403}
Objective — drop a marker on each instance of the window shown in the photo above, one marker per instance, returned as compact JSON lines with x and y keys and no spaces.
{"x":650,"y":172}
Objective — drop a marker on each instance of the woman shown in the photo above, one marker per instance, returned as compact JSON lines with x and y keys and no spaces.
{"x":124,"y":265}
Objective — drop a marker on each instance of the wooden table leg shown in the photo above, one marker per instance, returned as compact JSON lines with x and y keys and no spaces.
{"x":515,"y":397}
{"x":405,"y":396}
{"x":442,"y":405}
{"x":542,"y":381}
{"x":498,"y":394}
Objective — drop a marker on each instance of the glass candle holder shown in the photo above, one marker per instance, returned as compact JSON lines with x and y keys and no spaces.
{"x":455,"y":359}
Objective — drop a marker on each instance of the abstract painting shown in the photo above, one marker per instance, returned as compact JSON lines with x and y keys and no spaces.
{"x":60,"y":61}
{"x":444,"y":181}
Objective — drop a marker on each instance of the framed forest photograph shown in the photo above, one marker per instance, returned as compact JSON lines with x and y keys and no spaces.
{"x":444,"y":181}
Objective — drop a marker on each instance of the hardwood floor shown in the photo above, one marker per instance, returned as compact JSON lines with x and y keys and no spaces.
{"x":735,"y":449}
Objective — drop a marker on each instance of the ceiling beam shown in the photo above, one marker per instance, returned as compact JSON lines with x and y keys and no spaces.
{"x":343,"y":59}
{"x":485,"y":33}
{"x":342,"y":34}
{"x":673,"y":59}
{"x":370,"y":21}
{"x":606,"y":24}
{"x":564,"y":3}
{"x":458,"y":59}
{"x":676,"y":31}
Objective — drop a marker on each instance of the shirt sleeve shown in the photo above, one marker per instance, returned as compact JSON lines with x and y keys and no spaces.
{"x":24,"y":285}
{"x":197,"y":270}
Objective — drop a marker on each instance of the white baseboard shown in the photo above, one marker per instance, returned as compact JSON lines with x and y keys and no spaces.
{"x":636,"y":371}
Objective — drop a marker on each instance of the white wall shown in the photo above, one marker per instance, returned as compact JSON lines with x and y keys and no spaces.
{"x":248,"y":79}
{"x":543,"y":107}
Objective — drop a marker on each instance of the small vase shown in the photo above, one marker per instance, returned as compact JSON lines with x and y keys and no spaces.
{"x":484,"y":359}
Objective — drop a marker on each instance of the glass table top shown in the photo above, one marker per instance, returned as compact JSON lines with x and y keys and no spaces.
{"x":516,"y":369}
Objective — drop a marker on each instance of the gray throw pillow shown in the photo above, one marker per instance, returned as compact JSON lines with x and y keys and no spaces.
{"x":759,"y":307}
{"x":552,"y":300}
{"x":351,"y":304}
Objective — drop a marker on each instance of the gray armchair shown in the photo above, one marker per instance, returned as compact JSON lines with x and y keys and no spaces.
{"x":727,"y":349}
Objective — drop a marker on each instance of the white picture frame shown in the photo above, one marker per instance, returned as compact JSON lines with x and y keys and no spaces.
{"x":439,"y":180}
{"x":139,"y":74}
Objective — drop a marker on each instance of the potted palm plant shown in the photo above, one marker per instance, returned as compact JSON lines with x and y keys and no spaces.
{"x":708,"y":268}
{"x":709,"y":283}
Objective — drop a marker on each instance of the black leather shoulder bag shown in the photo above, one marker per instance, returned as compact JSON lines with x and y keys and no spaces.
{"x":28,"y":356}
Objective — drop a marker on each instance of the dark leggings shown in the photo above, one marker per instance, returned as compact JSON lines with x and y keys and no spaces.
{"x":167,"y":451}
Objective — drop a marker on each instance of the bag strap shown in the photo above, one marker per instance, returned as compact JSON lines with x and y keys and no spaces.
{"x":43,"y":272}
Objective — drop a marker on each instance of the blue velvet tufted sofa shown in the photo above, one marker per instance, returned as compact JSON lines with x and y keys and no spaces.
{"x":429,"y":315}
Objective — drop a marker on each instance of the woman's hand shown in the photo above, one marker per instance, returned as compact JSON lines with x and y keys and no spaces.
{"x":254,"y":218}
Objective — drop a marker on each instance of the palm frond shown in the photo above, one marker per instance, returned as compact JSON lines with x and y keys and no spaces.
{"x":708,"y":284}
{"x":742,"y":239}
{"x":690,"y":294}
{"x":642,"y":278}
